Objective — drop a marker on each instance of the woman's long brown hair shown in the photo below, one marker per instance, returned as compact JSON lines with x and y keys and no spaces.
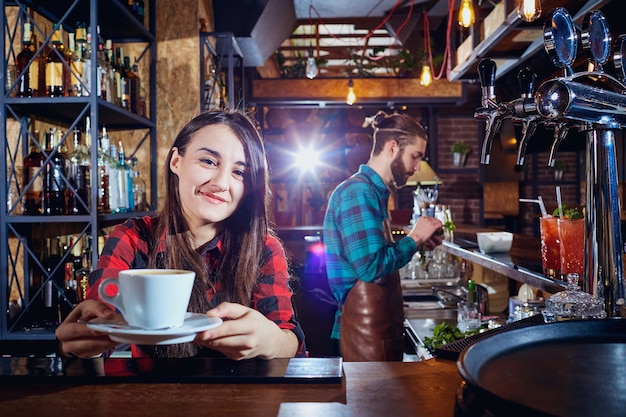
{"x":244,"y":233}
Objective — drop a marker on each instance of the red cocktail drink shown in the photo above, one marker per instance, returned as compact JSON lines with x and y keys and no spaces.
{"x":572,"y":236}
{"x":550,"y":247}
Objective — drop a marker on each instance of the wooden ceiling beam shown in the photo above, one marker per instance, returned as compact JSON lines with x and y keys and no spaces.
{"x":368,"y":90}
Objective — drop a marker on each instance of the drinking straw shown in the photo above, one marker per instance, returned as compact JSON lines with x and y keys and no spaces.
{"x":539,"y":201}
{"x":542,"y":207}
{"x":558,"y":201}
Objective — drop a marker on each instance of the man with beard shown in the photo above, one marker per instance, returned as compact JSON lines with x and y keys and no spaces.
{"x":362,"y":259}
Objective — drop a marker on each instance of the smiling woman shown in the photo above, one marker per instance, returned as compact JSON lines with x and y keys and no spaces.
{"x":214,"y":223}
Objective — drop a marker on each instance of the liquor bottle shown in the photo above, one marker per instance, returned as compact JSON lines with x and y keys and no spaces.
{"x":111,"y":83}
{"x":54,"y":282}
{"x":79,"y":177}
{"x":120,"y":79}
{"x":73,"y":263}
{"x":139,"y":188}
{"x":103,"y":66}
{"x":74,"y":58}
{"x":41,"y":61}
{"x":134,"y":85}
{"x":31,"y":172}
{"x":114,"y":181}
{"x":54,"y":175}
{"x":55,"y":66}
{"x":82,"y":274}
{"x":83,"y":47}
{"x":103,"y":174}
{"x":127,"y":201}
{"x":129,"y":91}
{"x":29,"y":75}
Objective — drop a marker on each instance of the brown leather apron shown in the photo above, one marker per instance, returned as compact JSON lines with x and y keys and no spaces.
{"x":372,"y":320}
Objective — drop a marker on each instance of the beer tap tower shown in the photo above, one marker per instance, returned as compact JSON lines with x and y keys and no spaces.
{"x":593,"y":102}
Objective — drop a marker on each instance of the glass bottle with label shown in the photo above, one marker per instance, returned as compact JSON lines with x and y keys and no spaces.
{"x":103,"y":173}
{"x":28,"y":85}
{"x":32,"y":178}
{"x":55,"y":66}
{"x":79,"y":176}
{"x":120,"y":79}
{"x":125,"y":189}
{"x":114,"y":181}
{"x":83,"y":50}
{"x":111,"y":76}
{"x":134,"y":85}
{"x":54,"y":282}
{"x":54,"y":176}
{"x":139,"y":188}
{"x":74,"y":58}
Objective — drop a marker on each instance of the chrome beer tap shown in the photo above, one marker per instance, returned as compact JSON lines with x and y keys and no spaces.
{"x":525,"y":111}
{"x":560,"y":132}
{"x":522,"y":111}
{"x":491,"y":112}
{"x":595,"y":103}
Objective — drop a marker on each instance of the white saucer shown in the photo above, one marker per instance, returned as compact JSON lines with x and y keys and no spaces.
{"x":120,"y":331}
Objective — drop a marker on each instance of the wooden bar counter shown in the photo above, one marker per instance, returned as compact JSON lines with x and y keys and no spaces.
{"x":396,"y":389}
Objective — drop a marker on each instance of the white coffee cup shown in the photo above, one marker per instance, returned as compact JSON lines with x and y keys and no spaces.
{"x":150,"y":298}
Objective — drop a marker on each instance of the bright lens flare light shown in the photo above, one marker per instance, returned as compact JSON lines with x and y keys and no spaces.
{"x":466,"y":14}
{"x":529,"y":10}
{"x":307,"y":159}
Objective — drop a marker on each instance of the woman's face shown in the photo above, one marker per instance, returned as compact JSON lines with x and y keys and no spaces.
{"x":210,"y":175}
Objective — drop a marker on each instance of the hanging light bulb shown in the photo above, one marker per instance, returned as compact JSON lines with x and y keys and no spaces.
{"x":426,"y":78}
{"x":466,"y":14}
{"x":311,"y":69}
{"x":528,"y":10}
{"x":351,"y":97}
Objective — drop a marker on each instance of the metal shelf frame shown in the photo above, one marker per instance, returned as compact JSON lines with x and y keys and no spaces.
{"x":119,"y":25}
{"x":221,"y":61}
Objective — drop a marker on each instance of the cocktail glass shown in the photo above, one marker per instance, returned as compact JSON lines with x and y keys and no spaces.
{"x":572,"y":237}
{"x":550,"y":247}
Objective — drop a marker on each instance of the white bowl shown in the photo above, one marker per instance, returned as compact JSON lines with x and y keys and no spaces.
{"x":492,"y":242}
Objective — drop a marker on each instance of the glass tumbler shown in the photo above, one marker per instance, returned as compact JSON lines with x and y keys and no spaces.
{"x":550,"y":247}
{"x":572,"y":238}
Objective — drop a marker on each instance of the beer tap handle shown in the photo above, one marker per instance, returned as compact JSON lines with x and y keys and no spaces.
{"x":526,"y":78}
{"x":493,"y":120}
{"x":560,"y":131}
{"x":489,"y":110}
{"x":529,"y":125}
{"x":525,"y":110}
{"x":487,"y":76}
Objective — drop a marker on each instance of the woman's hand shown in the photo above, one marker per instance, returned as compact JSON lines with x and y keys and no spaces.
{"x":246,"y":333}
{"x":76,"y":338}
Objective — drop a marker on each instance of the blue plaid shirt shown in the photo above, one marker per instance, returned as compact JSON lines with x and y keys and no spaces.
{"x":355,"y":242}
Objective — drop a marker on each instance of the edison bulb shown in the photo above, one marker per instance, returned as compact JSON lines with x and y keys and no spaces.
{"x":351,"y":97}
{"x":529,"y":10}
{"x":466,"y":14}
{"x":426,"y":78}
{"x":311,"y":68}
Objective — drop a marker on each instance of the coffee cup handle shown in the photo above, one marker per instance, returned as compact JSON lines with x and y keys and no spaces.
{"x":115,"y":300}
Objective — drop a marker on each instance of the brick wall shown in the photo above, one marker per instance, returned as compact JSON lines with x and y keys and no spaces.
{"x":461,"y":188}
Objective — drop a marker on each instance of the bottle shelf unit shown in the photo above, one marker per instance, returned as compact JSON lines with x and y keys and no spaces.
{"x":22,"y":236}
{"x":221,"y":72}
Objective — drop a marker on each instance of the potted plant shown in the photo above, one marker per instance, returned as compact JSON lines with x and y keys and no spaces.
{"x":459,"y":153}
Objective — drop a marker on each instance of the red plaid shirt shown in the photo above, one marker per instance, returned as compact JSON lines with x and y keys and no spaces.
{"x":126,"y":249}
